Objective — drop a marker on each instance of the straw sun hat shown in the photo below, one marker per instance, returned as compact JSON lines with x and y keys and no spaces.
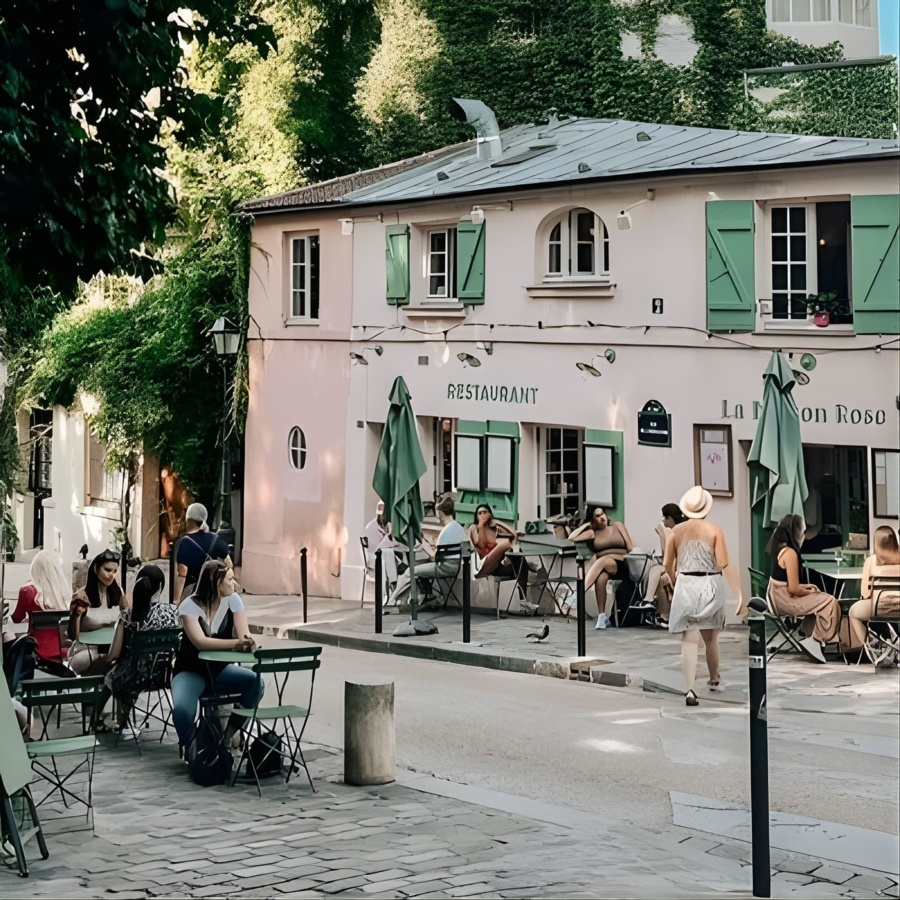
{"x":696,"y":503}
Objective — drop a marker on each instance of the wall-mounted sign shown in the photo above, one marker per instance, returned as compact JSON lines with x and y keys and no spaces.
{"x":654,"y":425}
{"x":840,"y":414}
{"x":712,"y":459}
{"x":493,"y":393}
{"x":657,"y":306}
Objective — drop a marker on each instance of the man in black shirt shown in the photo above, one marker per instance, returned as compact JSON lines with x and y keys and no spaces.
{"x":196,"y":546}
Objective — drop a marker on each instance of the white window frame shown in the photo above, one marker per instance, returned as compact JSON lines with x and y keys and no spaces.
{"x":769,"y":322}
{"x":856,"y":7}
{"x":295,"y":313}
{"x":567,"y":242}
{"x":297,"y":449}
{"x":810,"y":5}
{"x":449,"y":274}
{"x":544,"y":472}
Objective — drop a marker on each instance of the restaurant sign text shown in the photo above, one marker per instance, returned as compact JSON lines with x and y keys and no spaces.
{"x":840,"y":414}
{"x":492,"y":392}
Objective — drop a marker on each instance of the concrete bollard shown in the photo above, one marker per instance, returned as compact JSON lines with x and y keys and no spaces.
{"x":369,"y":743}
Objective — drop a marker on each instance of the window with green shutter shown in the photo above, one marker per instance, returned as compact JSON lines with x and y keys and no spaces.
{"x":730,"y":275}
{"x":470,"y":262}
{"x":397,"y":264}
{"x":498,"y":472}
{"x":875,"y":241}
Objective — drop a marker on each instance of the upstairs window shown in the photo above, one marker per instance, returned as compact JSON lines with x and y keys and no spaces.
{"x":441,"y":264}
{"x":578,"y":246}
{"x":802,"y":10}
{"x":304,"y":265}
{"x":297,"y":448}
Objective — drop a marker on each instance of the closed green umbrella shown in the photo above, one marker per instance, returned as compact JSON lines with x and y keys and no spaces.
{"x":398,"y":469}
{"x":777,"y":474}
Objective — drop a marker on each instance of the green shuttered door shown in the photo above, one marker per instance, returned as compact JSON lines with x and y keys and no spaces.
{"x":875,"y":223}
{"x":470,"y":262}
{"x":397,"y":264}
{"x":730,"y":288}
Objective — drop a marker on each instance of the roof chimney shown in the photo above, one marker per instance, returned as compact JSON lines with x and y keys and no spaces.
{"x":483,"y":120}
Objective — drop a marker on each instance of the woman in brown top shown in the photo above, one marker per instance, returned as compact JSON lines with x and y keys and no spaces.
{"x":611,"y":543}
{"x":884,"y":562}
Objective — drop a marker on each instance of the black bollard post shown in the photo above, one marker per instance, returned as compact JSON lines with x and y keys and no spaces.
{"x":579,"y":594}
{"x":379,"y":590}
{"x":303,"y":583}
{"x":467,"y":596}
{"x":759,"y":760}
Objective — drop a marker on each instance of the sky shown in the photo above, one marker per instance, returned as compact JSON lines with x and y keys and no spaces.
{"x":889,"y":26}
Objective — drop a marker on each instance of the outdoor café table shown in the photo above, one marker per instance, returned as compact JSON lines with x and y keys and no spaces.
{"x":557,"y":549}
{"x":839,"y":574}
{"x":100,"y":637}
{"x":228,"y":656}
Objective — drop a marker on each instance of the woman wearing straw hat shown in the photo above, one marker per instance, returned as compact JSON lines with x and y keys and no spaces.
{"x":696,"y":556}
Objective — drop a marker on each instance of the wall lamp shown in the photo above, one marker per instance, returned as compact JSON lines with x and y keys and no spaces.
{"x":347,"y":224}
{"x":590,"y":369}
{"x":487,"y":346}
{"x":477,"y":214}
{"x":360,"y":359}
{"x":623,"y":219}
{"x":468,"y":360}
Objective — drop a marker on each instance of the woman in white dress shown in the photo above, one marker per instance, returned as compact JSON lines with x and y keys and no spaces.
{"x":696,"y":556}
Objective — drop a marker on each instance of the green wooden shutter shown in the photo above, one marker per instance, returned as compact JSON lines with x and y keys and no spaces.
{"x":505,"y":506}
{"x":397,"y":264}
{"x":730,"y":283}
{"x":470,"y":262}
{"x":875,"y":262}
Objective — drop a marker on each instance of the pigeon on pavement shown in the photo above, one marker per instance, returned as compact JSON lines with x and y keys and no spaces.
{"x":539,"y":636}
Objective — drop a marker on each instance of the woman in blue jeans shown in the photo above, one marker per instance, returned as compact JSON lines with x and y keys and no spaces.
{"x":213,"y":618}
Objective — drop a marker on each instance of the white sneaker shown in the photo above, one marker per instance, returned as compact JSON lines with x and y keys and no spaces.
{"x":602,"y":621}
{"x":129,"y":734}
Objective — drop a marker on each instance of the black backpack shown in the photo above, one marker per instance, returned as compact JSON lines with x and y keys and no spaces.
{"x":209,"y":762}
{"x":265,"y":755}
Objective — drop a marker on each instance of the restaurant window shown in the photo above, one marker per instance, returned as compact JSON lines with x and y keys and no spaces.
{"x":810,"y":254}
{"x":802,"y":10}
{"x":443,"y":431}
{"x":297,"y":448}
{"x":562,"y":470}
{"x":886,"y":484}
{"x":105,"y":485}
{"x":578,"y":246}
{"x":304,"y":274}
{"x":441,"y":264}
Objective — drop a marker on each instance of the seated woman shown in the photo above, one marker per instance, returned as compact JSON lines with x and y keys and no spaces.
{"x":820,"y":611}
{"x":659,"y":587}
{"x":490,"y":538}
{"x":213,"y":618}
{"x":378,"y":536}
{"x":129,"y":675}
{"x":45,"y":590}
{"x":611,"y":543}
{"x":884,"y":562}
{"x":94,"y":606}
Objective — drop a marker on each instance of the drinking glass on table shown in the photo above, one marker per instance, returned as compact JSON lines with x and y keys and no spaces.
{"x":838,"y":557}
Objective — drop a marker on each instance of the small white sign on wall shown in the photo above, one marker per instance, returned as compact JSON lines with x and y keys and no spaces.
{"x":712,"y":459}
{"x":469,"y":473}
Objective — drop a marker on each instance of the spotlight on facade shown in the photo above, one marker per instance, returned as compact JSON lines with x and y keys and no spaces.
{"x":477,"y":215}
{"x":378,"y":349}
{"x":487,"y":346}
{"x":359,"y":358}
{"x":609,"y":355}
{"x":800,"y":377}
{"x":588,"y":369}
{"x":346,"y":226}
{"x":468,"y":360}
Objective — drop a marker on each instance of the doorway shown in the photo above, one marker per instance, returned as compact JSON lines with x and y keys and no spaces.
{"x":40,"y":432}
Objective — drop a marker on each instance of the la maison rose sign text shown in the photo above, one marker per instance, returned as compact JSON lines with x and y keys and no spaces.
{"x":492,"y":392}
{"x":839,"y":414}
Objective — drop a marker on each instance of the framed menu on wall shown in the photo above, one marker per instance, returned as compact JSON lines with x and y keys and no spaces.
{"x":600,"y":475}
{"x":712,"y":459}
{"x":469,"y":463}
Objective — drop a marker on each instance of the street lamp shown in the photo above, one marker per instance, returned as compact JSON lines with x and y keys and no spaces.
{"x":227,"y":341}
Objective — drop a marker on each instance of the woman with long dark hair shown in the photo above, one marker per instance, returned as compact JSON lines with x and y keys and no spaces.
{"x":94,"y":606}
{"x":128,"y":675}
{"x":790,"y":597}
{"x":213,"y":618}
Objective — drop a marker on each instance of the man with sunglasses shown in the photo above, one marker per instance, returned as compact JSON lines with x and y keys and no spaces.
{"x":194,"y":548}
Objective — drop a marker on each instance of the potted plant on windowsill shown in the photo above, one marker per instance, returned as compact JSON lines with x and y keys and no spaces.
{"x":824,"y":306}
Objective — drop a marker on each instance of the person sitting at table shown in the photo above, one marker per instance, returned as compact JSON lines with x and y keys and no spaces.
{"x":658,"y":586}
{"x":94,"y":606}
{"x":128,"y":675}
{"x":378,"y":537}
{"x":884,"y":563}
{"x":213,"y":618}
{"x":452,"y":533}
{"x":611,"y":543}
{"x":490,"y":538}
{"x":820,"y":611}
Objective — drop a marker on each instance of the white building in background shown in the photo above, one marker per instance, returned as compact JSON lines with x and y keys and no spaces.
{"x":583,"y":312}
{"x":854,"y":23}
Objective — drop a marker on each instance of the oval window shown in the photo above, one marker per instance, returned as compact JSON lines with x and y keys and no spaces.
{"x":297,"y":448}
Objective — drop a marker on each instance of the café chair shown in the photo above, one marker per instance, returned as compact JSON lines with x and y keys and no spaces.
{"x":882,"y":645}
{"x":786,"y":627}
{"x":273,"y":726}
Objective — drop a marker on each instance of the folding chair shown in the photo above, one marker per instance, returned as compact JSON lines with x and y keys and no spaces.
{"x":787,"y":627}
{"x":15,"y":775}
{"x":638,"y":564}
{"x":279,"y":664}
{"x":50,"y":622}
{"x":883,"y":628}
{"x":446,"y":555}
{"x":18,"y":662}
{"x":45,"y":695}
{"x":153,"y":653}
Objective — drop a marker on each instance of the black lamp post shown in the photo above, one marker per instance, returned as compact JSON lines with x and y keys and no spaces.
{"x":227,"y":341}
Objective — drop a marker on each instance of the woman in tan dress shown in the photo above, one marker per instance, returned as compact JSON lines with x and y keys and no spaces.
{"x":820,"y":611}
{"x":884,"y":562}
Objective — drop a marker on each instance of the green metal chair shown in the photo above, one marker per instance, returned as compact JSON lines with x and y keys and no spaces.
{"x":153,"y":652}
{"x":787,"y":627}
{"x":882,"y":645}
{"x":279,"y":664}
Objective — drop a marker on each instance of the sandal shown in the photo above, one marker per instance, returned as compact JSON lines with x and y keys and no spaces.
{"x":690,"y":699}
{"x":716,"y":686}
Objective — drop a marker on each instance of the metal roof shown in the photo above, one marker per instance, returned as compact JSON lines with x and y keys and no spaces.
{"x":589,"y":150}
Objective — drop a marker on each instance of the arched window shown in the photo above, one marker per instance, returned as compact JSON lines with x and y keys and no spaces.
{"x":297,"y":448}
{"x":578,"y":246}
